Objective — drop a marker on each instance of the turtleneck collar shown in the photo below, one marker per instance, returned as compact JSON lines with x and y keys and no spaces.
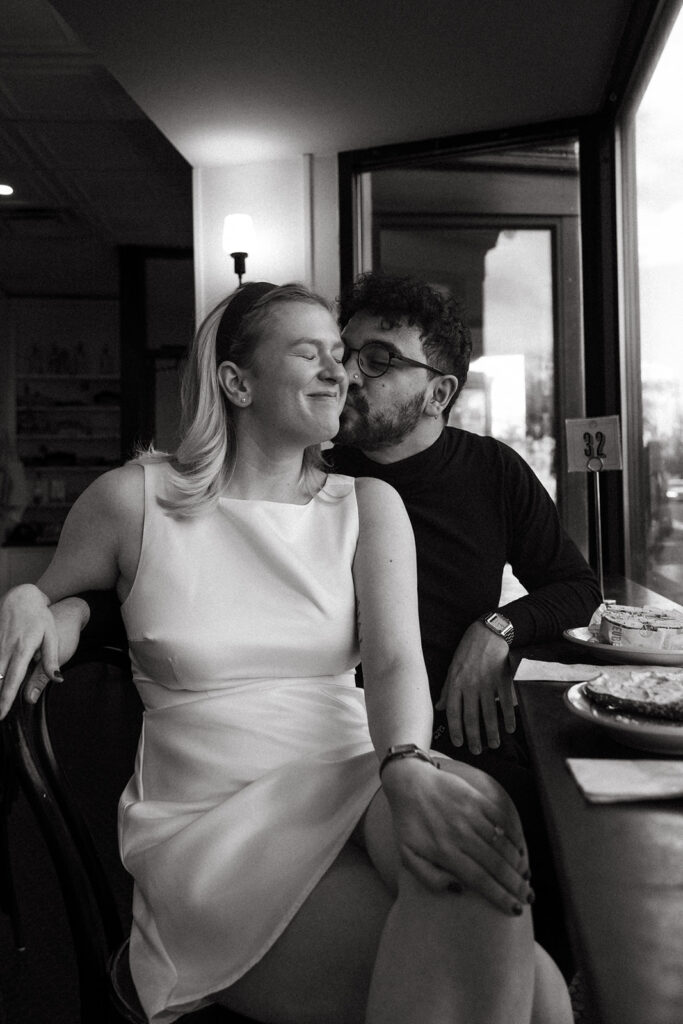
{"x":413,"y":470}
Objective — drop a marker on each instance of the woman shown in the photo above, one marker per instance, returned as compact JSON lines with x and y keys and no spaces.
{"x":274,"y":872}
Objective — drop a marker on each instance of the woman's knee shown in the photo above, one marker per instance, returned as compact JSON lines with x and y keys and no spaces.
{"x":483,"y":783}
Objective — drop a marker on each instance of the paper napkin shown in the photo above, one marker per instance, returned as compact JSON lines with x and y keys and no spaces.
{"x":608,"y":780}
{"x":554,"y":670}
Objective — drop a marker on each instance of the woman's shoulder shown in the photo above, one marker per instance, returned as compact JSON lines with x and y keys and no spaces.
{"x":373,"y":489}
{"x":116,"y":492}
{"x":373,"y":498}
{"x":377,"y":498}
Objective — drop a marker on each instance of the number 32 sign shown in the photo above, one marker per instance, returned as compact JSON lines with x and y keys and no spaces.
{"x":593,"y":444}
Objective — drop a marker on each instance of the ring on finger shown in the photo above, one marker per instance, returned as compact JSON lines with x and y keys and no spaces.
{"x":498,"y":833}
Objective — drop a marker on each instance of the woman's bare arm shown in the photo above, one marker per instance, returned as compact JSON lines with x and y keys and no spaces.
{"x":385,"y":576}
{"x":443,"y":821}
{"x":98,"y":549}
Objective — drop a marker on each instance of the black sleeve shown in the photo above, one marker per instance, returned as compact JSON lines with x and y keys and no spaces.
{"x":563,"y":590}
{"x":105,"y":625}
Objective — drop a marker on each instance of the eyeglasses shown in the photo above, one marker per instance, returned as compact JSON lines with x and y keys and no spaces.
{"x":375,"y":358}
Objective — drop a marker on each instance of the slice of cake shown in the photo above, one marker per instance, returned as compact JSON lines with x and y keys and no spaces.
{"x":646,"y":629}
{"x":648,"y":691}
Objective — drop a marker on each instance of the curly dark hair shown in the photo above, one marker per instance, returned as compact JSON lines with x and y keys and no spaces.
{"x":446,"y":340}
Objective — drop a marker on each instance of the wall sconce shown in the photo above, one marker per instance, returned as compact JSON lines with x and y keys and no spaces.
{"x":238,"y":234}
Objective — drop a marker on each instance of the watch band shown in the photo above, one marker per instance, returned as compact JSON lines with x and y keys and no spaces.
{"x":401,"y":750}
{"x":500,"y":625}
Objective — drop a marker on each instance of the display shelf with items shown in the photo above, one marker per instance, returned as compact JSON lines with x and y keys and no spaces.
{"x":68,"y":407}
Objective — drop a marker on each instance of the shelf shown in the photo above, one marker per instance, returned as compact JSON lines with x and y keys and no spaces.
{"x":114,"y":407}
{"x":68,"y":376}
{"x":101,"y":468}
{"x":34,"y":507}
{"x":58,"y":438}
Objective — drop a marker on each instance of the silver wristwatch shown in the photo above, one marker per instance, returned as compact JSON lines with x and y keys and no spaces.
{"x":499,"y":624}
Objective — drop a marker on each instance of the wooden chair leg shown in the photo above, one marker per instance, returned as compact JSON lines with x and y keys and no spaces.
{"x":8,"y":894}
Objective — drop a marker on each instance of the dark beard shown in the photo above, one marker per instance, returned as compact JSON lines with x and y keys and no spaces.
{"x":372,"y":431}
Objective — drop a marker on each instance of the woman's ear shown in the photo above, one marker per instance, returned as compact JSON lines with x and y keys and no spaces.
{"x":233,"y":384}
{"x":443,"y":390}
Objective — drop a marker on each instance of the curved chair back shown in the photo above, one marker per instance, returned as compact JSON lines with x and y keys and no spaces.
{"x":98,"y":910}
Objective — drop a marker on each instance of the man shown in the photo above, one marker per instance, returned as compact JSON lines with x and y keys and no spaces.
{"x":473,"y":502}
{"x":475,"y":505}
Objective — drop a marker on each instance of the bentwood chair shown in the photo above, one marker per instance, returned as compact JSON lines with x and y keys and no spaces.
{"x":72,"y":753}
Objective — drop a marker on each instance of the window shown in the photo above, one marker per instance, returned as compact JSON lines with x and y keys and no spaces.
{"x":651,"y":135}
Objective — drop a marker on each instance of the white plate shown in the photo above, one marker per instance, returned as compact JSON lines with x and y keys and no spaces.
{"x":633,"y":730}
{"x":621,"y":655}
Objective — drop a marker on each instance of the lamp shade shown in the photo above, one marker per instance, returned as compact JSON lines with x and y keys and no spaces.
{"x":238,"y":233}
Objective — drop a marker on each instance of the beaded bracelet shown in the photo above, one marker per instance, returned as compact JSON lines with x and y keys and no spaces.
{"x":406,"y":750}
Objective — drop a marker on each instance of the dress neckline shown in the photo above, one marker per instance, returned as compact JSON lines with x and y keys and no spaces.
{"x":279,"y":504}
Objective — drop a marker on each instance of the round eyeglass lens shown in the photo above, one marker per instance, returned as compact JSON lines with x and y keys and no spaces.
{"x":374,"y":360}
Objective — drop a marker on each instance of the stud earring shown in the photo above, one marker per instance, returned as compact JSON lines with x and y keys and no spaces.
{"x":243,"y":399}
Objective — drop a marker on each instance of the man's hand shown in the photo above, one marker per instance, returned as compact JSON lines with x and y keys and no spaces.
{"x":478,"y":674}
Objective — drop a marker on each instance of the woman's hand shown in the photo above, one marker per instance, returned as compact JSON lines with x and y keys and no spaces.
{"x":457,"y":829}
{"x":32,"y":631}
{"x":70,"y":617}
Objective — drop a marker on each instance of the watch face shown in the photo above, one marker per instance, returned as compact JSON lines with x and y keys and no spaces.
{"x":498,"y":621}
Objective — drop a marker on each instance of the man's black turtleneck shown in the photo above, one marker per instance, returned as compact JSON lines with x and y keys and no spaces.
{"x":474,"y":505}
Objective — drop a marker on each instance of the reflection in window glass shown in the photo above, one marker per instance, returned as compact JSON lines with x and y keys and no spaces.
{"x":518,"y":318}
{"x":659,"y":190}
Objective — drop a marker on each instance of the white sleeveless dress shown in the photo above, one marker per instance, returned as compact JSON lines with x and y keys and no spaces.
{"x":255,"y":761}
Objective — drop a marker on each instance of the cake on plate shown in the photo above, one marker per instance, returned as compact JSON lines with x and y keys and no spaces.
{"x":649,"y":691}
{"x":645,"y":629}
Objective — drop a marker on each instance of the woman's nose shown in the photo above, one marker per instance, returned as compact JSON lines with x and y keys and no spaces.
{"x":333,"y":370}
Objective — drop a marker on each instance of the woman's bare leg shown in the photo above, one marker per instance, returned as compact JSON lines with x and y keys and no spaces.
{"x":319,"y":970}
{"x":456,"y":956}
{"x":552,"y":1004}
{"x":357,"y":952}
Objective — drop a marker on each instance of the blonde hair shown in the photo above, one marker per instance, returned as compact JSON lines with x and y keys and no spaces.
{"x":203,"y":464}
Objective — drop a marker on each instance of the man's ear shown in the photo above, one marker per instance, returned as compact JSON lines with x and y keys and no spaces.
{"x":443,"y":390}
{"x":233,"y":384}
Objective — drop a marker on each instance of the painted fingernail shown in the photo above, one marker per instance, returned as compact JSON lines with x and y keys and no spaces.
{"x":531,"y":898}
{"x":58,"y":676}
{"x":526,"y":875}
{"x":455,"y":887}
{"x":517,"y":909}
{"x":34,"y":695}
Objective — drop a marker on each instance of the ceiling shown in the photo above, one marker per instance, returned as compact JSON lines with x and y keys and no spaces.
{"x":106,"y":104}
{"x":89,"y":170}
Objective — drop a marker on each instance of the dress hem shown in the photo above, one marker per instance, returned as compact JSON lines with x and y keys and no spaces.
{"x":192,"y":1003}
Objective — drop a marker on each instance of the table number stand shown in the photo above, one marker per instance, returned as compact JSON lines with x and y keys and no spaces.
{"x":594,"y":446}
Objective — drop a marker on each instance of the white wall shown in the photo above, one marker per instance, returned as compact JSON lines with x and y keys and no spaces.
{"x":293,"y":204}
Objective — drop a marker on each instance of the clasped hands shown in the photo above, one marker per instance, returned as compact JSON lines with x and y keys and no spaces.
{"x":478,"y":678}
